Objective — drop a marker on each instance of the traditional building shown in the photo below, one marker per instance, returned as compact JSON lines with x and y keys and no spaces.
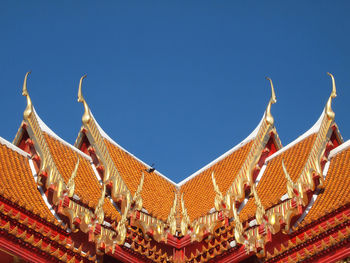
{"x":96,"y":202}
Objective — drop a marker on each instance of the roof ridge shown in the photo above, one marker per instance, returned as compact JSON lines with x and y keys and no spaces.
{"x":51,"y":133}
{"x":107,"y":137}
{"x":13,"y":147}
{"x":342,"y":147}
{"x":312,"y":130}
{"x":249,"y":138}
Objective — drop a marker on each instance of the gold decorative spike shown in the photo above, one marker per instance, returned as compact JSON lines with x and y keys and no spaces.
{"x":137,"y":197}
{"x":330,"y":113}
{"x":273,"y":100}
{"x":29,"y":109}
{"x":291,"y":186}
{"x":238,"y":226}
{"x":260,"y":211}
{"x":86,"y":116}
{"x":121,"y":227}
{"x":71,"y":185}
{"x":99,"y":208}
{"x":219,"y":197}
{"x":171,"y":217}
{"x":185,"y":221}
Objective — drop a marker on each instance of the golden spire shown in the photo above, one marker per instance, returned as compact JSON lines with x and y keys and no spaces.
{"x":29,"y":108}
{"x":171,"y":217}
{"x":260,"y":211}
{"x":290,"y":183}
{"x":99,"y":208}
{"x":86,"y":117}
{"x":273,"y":100}
{"x":185,"y":221}
{"x":238,"y":225}
{"x":330,"y":113}
{"x":70,"y":184}
{"x":137,"y":197}
{"x":218,"y":198}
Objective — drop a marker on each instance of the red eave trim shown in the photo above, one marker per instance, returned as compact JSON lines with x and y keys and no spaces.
{"x":236,"y":256}
{"x":125,"y":256}
{"x":338,"y":255}
{"x":21,"y":251}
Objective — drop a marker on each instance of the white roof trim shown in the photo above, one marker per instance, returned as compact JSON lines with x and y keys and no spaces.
{"x":339,"y":149}
{"x":261,"y":173}
{"x":49,"y":206}
{"x":105,"y":135}
{"x":13,"y":147}
{"x":241,"y":144}
{"x":46,"y":129}
{"x":314,"y":129}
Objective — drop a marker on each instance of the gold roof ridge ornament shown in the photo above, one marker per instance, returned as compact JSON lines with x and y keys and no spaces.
{"x":294,"y":189}
{"x":86,"y":116}
{"x":185,"y":221}
{"x":99,"y":208}
{"x":218,"y":197}
{"x":137,"y":196}
{"x":171,"y":217}
{"x":71,"y":184}
{"x":29,"y":109}
{"x":260,"y":210}
{"x":328,"y":109}
{"x":272,"y":100}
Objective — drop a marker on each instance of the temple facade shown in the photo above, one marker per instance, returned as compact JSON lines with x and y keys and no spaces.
{"x":96,"y":202}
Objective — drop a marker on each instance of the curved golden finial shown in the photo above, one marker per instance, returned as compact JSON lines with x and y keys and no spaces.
{"x":330,"y":113}
{"x":29,"y":108}
{"x":86,"y":116}
{"x":70,"y":184}
{"x":137,"y":197}
{"x":273,"y":100}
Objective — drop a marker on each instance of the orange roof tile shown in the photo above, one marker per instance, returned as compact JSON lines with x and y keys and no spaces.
{"x":199,"y":191}
{"x":272,"y":185}
{"x":87,"y":186}
{"x":157,"y":193}
{"x":336,"y":188}
{"x":17,"y":183}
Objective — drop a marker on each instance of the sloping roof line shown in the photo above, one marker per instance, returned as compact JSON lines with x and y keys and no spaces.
{"x":13,"y":147}
{"x":46,"y":129}
{"x":241,"y":144}
{"x":105,"y":135}
{"x":312,"y":130}
{"x":339,"y":149}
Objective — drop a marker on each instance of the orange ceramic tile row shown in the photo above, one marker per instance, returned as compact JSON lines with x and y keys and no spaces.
{"x":87,"y":187}
{"x":273,"y":183}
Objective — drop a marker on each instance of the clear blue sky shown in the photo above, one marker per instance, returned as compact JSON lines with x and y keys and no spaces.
{"x":177,"y":83}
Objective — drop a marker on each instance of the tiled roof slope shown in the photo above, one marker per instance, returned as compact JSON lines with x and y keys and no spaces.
{"x":199,"y":192}
{"x":272,"y":185}
{"x":336,"y":187}
{"x":17,"y":183}
{"x":157,"y":192}
{"x":87,"y":187}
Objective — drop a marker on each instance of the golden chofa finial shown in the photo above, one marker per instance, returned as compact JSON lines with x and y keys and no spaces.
{"x":330,"y":113}
{"x":273,"y":100}
{"x":29,"y":108}
{"x":86,"y":116}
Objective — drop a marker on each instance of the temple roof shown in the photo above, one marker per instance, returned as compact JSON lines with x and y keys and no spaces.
{"x":335,"y":192}
{"x":115,"y":204}
{"x":18,"y":184}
